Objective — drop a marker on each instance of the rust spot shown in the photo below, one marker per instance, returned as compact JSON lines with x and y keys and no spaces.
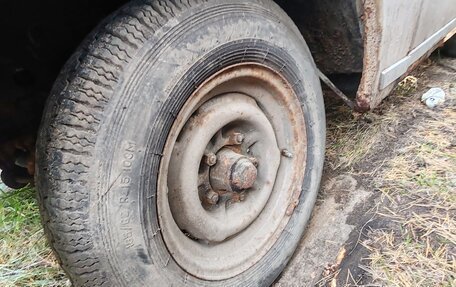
{"x":362,"y":104}
{"x":243,"y":175}
{"x":233,"y":172}
{"x":292,"y":207}
{"x":372,"y":37}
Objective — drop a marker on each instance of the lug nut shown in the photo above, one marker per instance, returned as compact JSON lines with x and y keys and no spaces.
{"x":287,"y":153}
{"x":236,"y":139}
{"x":210,"y":159}
{"x":212,"y":197}
{"x":239,"y":138}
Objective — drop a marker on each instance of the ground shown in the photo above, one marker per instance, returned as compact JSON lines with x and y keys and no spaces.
{"x":386,"y":213}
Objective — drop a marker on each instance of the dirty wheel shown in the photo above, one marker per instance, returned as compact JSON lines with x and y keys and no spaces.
{"x":231,"y":172}
{"x":182,"y":145}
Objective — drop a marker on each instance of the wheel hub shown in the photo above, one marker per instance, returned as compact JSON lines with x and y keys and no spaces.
{"x":216,"y":180}
{"x":233,"y":172}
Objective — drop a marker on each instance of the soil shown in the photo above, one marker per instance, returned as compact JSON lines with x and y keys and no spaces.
{"x":349,"y":198}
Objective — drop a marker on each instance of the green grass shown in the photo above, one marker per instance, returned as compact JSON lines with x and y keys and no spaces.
{"x":25,"y":258}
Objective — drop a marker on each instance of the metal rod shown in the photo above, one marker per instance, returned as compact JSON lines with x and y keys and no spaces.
{"x":336,"y":90}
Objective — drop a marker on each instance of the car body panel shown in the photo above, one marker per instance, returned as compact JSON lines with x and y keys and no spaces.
{"x":397,"y":34}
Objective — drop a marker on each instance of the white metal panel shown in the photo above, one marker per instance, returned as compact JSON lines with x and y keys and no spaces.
{"x":410,"y":28}
{"x":399,"y":20}
{"x":397,"y":34}
{"x":399,"y":68}
{"x":434,"y":15}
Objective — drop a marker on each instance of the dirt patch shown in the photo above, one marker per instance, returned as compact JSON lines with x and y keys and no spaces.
{"x":326,"y":233}
{"x":402,"y":158}
{"x":407,"y":239}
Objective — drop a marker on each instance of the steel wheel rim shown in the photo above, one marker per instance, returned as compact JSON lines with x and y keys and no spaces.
{"x":209,"y":241}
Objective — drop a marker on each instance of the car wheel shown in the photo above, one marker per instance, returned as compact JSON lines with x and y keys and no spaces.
{"x":182,"y":144}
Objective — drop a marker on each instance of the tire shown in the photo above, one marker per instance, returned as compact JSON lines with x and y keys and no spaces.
{"x":107,"y":143}
{"x":449,"y":49}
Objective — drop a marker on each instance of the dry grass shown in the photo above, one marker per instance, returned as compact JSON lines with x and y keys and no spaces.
{"x":419,"y":198}
{"x":352,"y":137}
{"x":407,"y":152}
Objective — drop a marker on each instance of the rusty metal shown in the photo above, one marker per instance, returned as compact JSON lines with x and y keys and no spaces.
{"x":382,"y":40}
{"x":210,"y":159}
{"x":17,"y":161}
{"x":235,"y":139}
{"x":372,"y":42}
{"x":336,"y":90}
{"x":233,"y":172}
{"x":212,"y":197}
{"x":216,"y":128}
{"x":388,"y":58}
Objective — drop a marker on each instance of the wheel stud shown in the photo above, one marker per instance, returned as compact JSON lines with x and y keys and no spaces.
{"x":236,"y":139}
{"x":287,"y":153}
{"x":212,"y":197}
{"x":210,"y":159}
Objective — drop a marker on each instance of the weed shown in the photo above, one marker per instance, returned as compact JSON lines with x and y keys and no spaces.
{"x":25,"y":257}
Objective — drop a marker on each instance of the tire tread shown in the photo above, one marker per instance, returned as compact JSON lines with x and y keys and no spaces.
{"x":70,"y":124}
